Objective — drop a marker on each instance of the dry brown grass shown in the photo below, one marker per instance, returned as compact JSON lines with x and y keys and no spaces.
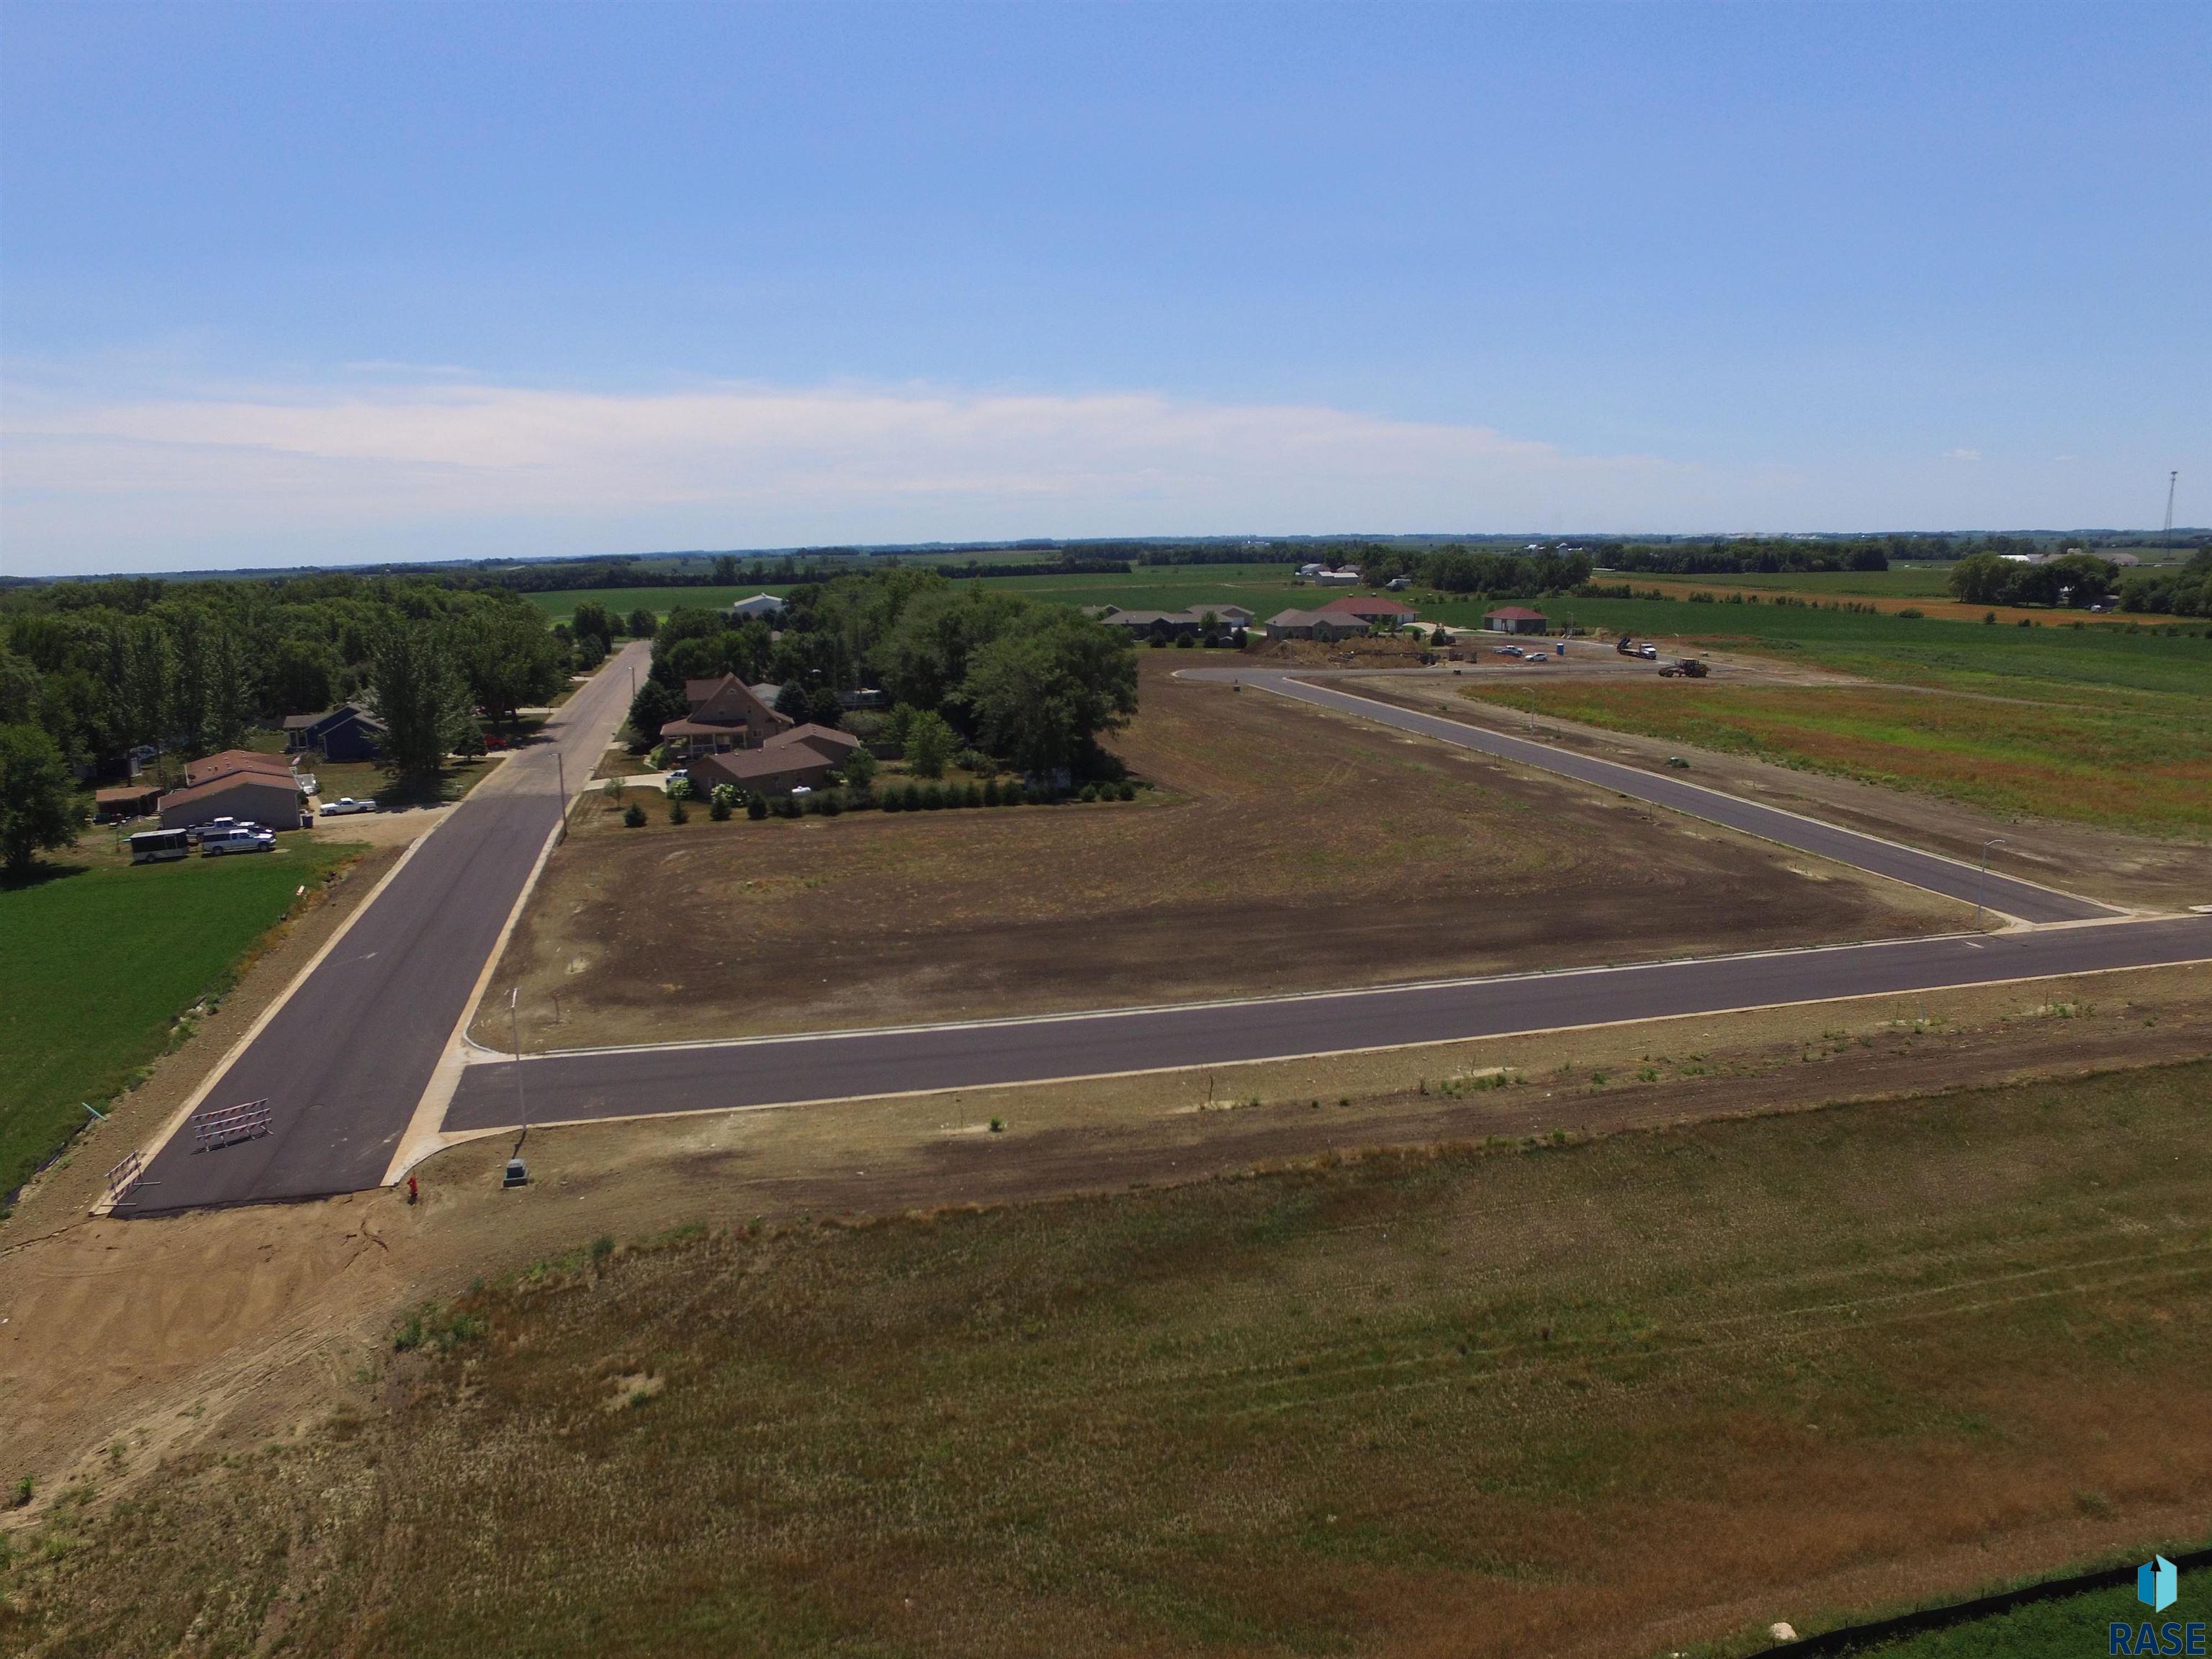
{"x":1607,"y":1398}
{"x":1286,"y":849}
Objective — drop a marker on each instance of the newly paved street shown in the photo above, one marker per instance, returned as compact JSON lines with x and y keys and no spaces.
{"x":2021,"y":900}
{"x":344,"y":1060}
{"x":618,"y":1082}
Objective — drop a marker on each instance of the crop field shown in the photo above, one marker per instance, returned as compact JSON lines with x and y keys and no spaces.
{"x":98,"y":959}
{"x":2104,"y":727}
{"x":1902,"y":581}
{"x":1618,"y":1397}
{"x":1284,"y":850}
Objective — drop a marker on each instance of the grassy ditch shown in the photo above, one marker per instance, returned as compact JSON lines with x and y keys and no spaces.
{"x":102,"y":965}
{"x":1616,"y":1395}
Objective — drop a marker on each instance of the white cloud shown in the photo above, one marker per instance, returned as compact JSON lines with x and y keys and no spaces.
{"x":1962,"y":455}
{"x":437,"y":469}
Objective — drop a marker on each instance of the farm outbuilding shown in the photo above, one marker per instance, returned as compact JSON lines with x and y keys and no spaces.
{"x":1516,"y":619}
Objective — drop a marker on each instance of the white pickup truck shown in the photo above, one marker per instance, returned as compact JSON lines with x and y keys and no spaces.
{"x":345,"y":803}
{"x":236,"y":838}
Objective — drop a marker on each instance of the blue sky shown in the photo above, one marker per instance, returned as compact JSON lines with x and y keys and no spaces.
{"x":344,"y":282}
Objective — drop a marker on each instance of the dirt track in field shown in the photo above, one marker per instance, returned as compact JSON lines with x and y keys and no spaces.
{"x":1284,"y":849}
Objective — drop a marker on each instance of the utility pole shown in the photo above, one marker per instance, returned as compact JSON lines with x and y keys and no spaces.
{"x":514,"y":1025}
{"x":1981,"y":881}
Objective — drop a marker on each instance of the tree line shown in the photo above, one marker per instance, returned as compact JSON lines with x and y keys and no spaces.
{"x":1031,"y":684}
{"x":104,"y":669}
{"x":1456,"y":570}
{"x":2081,"y":579}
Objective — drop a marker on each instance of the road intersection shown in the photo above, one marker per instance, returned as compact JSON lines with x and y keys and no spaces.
{"x":369,"y":1069}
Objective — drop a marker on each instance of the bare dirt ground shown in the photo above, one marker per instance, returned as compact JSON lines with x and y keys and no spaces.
{"x":1285,"y":848}
{"x":2103,"y":864}
{"x":228,"y":1328}
{"x":142,"y":1359}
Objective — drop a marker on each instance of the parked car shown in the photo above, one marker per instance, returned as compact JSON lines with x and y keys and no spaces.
{"x":1507,"y":650}
{"x":344,"y":805}
{"x":681,"y":775}
{"x":237,"y":838}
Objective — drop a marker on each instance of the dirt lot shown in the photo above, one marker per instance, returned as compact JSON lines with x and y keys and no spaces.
{"x":1612,"y":1398}
{"x":1285,"y":848}
{"x":2104,"y":863}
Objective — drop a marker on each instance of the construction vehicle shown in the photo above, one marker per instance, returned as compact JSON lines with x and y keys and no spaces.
{"x":1625,"y":646}
{"x":1686,"y":668}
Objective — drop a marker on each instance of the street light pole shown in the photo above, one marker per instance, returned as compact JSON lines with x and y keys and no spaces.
{"x":1982,"y":880}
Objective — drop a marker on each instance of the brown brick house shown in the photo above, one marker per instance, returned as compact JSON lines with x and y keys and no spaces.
{"x":726,"y":715}
{"x":775,"y":770}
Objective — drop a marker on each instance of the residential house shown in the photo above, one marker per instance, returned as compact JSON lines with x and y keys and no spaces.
{"x":1313,"y":625}
{"x":238,"y":783}
{"x":724,"y":715}
{"x":1515,"y":619}
{"x":1375,"y":612}
{"x":771,"y":771}
{"x":826,"y":741}
{"x":347,"y":733}
{"x":1176,"y":624}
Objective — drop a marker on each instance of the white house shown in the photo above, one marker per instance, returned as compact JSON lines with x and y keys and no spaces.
{"x":760,"y":604}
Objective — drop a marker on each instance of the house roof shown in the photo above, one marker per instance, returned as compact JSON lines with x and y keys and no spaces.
{"x":124,"y":791}
{"x":208,"y":768}
{"x":687,"y":728}
{"x":1309,"y":618}
{"x":1515,"y":613}
{"x":229,"y":780}
{"x":330,"y":717}
{"x":728,"y":701}
{"x":747,"y":765}
{"x":827,"y":738}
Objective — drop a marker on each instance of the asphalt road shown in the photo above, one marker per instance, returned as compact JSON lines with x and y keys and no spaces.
{"x":2021,"y":900}
{"x":344,"y":1060}
{"x":770,"y":1071}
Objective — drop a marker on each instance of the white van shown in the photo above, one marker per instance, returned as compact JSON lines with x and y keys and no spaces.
{"x":236,"y":838}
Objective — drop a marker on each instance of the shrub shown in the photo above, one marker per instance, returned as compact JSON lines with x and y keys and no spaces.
{"x":678,"y":789}
{"x":911,"y":800}
{"x":756,"y":809}
{"x":991,"y":792}
{"x":1155,"y":642}
{"x":634,"y":815}
{"x":718,"y":809}
{"x":1910,"y":614}
{"x":976,"y":761}
{"x":832,"y":804}
{"x":788,"y":807}
{"x":1128,"y":790}
{"x":973,"y":795}
{"x":1089,"y":791}
{"x":1182,"y":642}
{"x":728,"y":794}
{"x":677,"y":812}
{"x":890,"y":802}
{"x":932,"y":797}
{"x":859,"y":768}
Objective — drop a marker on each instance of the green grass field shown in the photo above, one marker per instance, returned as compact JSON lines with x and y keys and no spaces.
{"x":2070,"y":1629}
{"x":1464,"y":1403}
{"x":96,"y":962}
{"x":2109,"y":726}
